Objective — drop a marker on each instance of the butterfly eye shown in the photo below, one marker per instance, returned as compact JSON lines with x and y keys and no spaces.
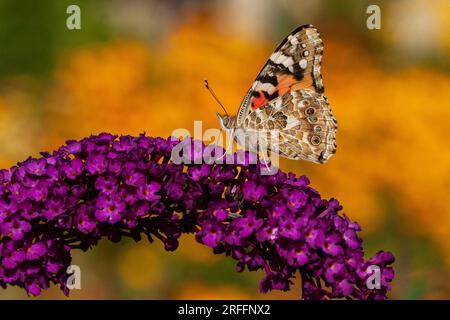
{"x":317,"y":129}
{"x":315,"y":140}
{"x":312,"y":119}
{"x":310,"y":111}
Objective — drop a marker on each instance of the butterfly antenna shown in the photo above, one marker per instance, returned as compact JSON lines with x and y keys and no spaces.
{"x":214,"y":96}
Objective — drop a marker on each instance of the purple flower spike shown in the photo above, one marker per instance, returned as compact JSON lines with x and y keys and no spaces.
{"x":106,"y":186}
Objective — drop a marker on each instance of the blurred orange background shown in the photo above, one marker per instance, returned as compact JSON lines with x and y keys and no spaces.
{"x":139,"y":66}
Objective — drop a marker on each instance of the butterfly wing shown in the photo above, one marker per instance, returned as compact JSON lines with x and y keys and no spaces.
{"x":286,"y":103}
{"x":294,"y":64}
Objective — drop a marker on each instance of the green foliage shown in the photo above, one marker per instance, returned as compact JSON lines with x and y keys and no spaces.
{"x":33,"y":33}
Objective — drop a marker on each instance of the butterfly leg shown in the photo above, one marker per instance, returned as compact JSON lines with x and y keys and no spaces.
{"x":265,"y":153}
{"x":230,"y":144}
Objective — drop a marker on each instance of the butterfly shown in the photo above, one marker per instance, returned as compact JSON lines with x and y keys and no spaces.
{"x":285,"y":107}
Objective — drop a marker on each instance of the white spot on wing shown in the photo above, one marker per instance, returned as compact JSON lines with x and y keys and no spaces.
{"x":274,"y":56}
{"x":293,"y":40}
{"x":303,"y":63}
{"x":266,"y":86}
{"x":292,"y":122}
{"x":278,"y":104}
{"x":286,"y":61}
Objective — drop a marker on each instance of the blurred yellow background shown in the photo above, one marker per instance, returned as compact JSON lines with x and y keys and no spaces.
{"x":139,"y":66}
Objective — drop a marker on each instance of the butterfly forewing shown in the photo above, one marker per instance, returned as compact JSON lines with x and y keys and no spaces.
{"x":294,"y":64}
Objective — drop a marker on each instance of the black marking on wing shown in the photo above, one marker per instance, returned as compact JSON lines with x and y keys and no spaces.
{"x":270,"y":97}
{"x":298,"y":73}
{"x":268,"y":79}
{"x":271,"y":68}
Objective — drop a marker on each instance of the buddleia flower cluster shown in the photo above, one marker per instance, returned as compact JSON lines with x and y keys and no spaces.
{"x":106,"y":186}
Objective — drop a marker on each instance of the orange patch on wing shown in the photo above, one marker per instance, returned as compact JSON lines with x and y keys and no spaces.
{"x":287,"y":83}
{"x":259,"y":101}
{"x":304,"y":84}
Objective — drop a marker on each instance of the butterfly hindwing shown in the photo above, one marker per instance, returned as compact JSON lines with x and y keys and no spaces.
{"x":297,"y":125}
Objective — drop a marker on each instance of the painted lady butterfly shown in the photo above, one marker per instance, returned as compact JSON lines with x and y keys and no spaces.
{"x":286,"y":106}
